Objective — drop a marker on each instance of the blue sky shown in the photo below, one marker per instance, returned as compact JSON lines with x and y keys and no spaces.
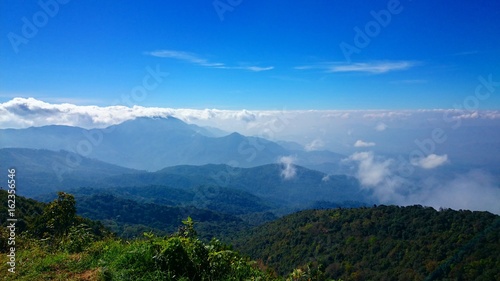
{"x":251,"y":54}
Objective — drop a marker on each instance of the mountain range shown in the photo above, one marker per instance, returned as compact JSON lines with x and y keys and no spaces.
{"x":155,"y":143}
{"x":300,"y":189}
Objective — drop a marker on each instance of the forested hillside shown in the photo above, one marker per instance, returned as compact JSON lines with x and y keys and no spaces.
{"x":130,"y":211}
{"x":56,"y":244}
{"x":131,"y":219}
{"x":381,"y":243}
{"x":377,"y":243}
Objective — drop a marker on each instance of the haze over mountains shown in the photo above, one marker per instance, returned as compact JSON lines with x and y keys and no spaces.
{"x":155,"y":143}
{"x":267,"y":182}
{"x":83,"y":157}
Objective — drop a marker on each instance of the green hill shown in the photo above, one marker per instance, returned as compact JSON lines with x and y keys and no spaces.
{"x":130,"y":211}
{"x":26,"y":210}
{"x":58,"y":245}
{"x":130,"y":219}
{"x":381,"y":243}
{"x":378,"y":243}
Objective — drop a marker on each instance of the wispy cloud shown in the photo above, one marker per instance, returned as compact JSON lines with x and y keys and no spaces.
{"x":250,"y":68}
{"x":257,"y":68}
{"x":184,"y":56}
{"x":465,"y":53}
{"x":364,"y":67}
{"x":376,"y":68}
{"x":195,"y":59}
{"x":410,"y":81}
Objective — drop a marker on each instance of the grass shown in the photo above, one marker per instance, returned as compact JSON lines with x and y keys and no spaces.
{"x":109,"y":259}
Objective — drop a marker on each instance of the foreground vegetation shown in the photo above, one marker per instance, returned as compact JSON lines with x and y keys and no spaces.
{"x":379,"y":243}
{"x":55,"y":244}
{"x":180,"y":256}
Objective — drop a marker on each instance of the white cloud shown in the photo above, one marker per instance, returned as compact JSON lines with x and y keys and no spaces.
{"x":360,"y":143}
{"x":375,"y":174}
{"x":316,"y":144}
{"x":193,"y":58}
{"x":288,"y":169}
{"x":245,"y":115}
{"x":431,"y":161}
{"x":370,"y":171}
{"x":381,"y":127}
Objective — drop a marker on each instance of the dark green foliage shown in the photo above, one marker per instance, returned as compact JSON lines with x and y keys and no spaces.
{"x":130,"y":211}
{"x":59,"y":226}
{"x":381,"y":243}
{"x":129,"y":218}
{"x":181,"y":256}
{"x":219,"y":199}
{"x":265,"y":182}
{"x":58,"y":216}
{"x":26,"y":212}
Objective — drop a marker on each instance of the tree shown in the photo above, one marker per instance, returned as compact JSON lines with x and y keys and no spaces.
{"x":58,"y":217}
{"x":61,"y":213}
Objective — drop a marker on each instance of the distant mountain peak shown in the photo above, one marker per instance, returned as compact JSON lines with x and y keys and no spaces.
{"x":156,"y":118}
{"x":155,"y":123}
{"x":235,"y":135}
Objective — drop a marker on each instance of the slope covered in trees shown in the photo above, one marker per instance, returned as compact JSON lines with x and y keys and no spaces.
{"x":130,"y":211}
{"x":381,"y":243}
{"x":56,"y":244}
{"x":130,"y":219}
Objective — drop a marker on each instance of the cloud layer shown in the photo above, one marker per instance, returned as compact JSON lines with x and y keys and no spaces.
{"x":25,"y":112}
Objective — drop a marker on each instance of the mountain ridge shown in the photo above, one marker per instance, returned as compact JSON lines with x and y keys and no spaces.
{"x":155,"y":143}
